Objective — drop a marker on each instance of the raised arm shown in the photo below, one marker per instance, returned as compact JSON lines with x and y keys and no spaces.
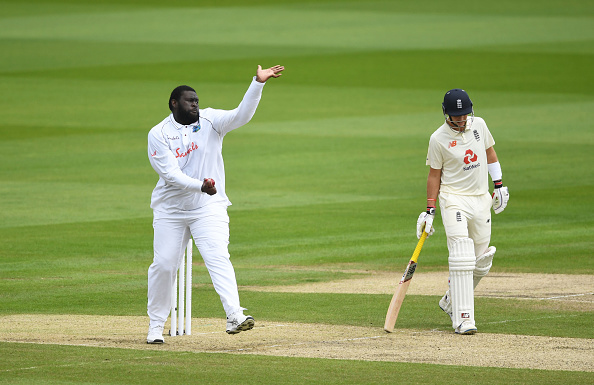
{"x":225,"y":121}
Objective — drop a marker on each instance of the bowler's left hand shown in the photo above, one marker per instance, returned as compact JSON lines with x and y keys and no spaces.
{"x":264,"y":74}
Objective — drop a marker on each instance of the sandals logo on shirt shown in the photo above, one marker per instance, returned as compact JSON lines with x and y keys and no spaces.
{"x":185,"y":153}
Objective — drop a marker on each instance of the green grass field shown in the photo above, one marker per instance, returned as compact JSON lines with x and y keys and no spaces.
{"x":329,"y":176}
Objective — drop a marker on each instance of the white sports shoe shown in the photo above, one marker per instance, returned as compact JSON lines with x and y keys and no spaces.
{"x":466,"y":327}
{"x":445,"y":304}
{"x":155,"y":335}
{"x":238,"y":322}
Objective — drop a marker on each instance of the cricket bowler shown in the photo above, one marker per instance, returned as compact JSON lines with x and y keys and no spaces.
{"x":189,"y":200}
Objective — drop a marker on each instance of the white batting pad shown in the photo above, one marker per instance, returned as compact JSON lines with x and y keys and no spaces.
{"x":483,"y":264}
{"x":462,"y":265}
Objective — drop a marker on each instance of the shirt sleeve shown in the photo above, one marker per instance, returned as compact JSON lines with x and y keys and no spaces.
{"x":224,"y":121}
{"x":434,"y":157}
{"x":165,"y":164}
{"x":489,"y":141}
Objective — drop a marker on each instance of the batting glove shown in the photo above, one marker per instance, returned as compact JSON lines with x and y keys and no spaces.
{"x":425,"y":221}
{"x":500,"y":197}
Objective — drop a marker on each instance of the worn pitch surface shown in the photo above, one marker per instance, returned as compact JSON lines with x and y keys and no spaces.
{"x":339,"y":341}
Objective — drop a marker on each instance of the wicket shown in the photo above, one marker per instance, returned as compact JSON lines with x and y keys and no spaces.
{"x":177,"y":303}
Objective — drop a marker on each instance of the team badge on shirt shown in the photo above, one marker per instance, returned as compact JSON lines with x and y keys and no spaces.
{"x":196,"y":128}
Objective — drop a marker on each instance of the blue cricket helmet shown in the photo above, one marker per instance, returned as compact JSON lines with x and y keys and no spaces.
{"x":456,"y":102}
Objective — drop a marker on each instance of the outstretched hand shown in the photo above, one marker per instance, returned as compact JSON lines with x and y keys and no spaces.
{"x":264,"y":74}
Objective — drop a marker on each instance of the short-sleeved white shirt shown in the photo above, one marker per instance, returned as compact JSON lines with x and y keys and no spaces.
{"x":462,"y":158}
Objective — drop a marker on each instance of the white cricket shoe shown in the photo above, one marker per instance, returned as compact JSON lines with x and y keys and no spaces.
{"x":155,"y":335}
{"x":466,"y":327}
{"x":238,"y":322}
{"x":445,"y":304}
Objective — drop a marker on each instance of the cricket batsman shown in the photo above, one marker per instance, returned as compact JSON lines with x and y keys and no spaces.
{"x":189,"y":200}
{"x":460,"y":157}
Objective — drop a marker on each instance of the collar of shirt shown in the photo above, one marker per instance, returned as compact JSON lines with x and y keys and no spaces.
{"x":179,"y":126}
{"x":453,"y":133}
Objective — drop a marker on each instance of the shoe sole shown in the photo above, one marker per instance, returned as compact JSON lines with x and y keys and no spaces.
{"x":467,"y":332}
{"x":242,"y":327}
{"x":155,"y":342}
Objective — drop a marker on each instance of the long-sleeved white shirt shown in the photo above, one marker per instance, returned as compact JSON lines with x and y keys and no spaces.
{"x":183,"y":155}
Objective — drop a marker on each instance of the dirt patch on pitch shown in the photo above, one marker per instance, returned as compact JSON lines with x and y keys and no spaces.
{"x":571,"y":292}
{"x":310,"y":340}
{"x":574,"y":292}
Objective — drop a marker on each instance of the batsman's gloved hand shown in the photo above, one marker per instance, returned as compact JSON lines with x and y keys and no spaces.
{"x":425,"y":221}
{"x":500,"y":197}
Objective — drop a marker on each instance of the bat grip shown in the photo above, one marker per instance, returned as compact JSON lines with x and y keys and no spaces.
{"x":417,"y":251}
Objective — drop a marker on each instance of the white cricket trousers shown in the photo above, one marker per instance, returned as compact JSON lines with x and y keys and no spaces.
{"x":209,"y":226}
{"x":467,"y":216}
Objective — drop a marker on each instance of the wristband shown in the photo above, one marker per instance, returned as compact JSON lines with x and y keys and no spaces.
{"x":495,"y":171}
{"x":431,"y":210}
{"x":498,"y":183}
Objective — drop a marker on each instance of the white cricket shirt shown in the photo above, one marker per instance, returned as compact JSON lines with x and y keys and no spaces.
{"x":462,"y":158}
{"x":183,"y":155}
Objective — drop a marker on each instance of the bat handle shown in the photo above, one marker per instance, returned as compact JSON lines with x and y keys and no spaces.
{"x":415,"y":255}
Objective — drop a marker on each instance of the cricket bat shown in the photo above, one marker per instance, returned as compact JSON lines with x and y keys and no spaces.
{"x":403,"y":287}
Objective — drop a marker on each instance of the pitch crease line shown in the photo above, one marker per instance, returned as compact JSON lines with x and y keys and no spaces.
{"x":531,"y":319}
{"x":567,"y":296}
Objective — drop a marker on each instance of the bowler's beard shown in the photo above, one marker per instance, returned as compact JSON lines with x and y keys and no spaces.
{"x":187,"y":117}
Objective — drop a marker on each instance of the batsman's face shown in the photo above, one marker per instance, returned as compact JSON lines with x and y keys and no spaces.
{"x":458,"y":123}
{"x":186,"y":109}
